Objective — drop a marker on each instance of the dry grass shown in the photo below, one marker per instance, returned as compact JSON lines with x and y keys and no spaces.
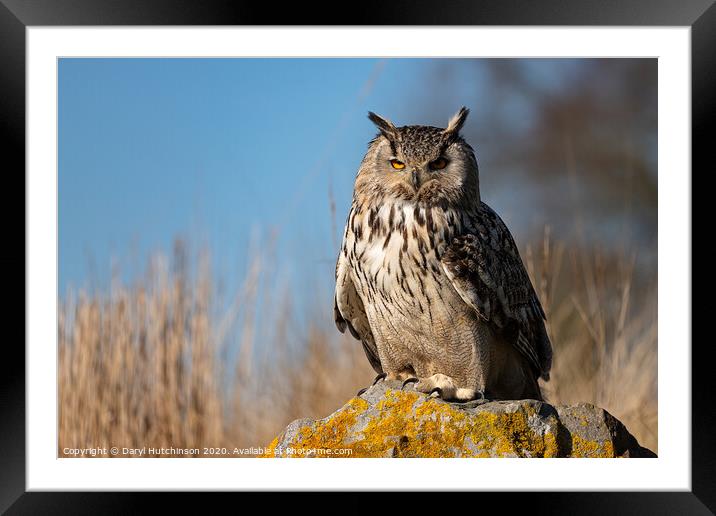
{"x":153,"y":364}
{"x":603,"y":324}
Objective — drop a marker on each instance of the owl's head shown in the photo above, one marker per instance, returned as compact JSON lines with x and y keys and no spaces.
{"x":418,"y":163}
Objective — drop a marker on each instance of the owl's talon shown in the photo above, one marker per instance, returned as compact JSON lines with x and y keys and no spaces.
{"x":378,"y":378}
{"x":408,"y":381}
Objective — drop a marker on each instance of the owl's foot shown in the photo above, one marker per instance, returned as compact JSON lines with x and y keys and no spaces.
{"x":410,"y":380}
{"x":378,"y":378}
{"x":445,"y":387}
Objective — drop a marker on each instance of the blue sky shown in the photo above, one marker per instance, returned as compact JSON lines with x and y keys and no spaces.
{"x":214,"y":151}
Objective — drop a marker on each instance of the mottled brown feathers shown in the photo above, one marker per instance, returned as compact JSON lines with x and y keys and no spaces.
{"x":486,"y":269}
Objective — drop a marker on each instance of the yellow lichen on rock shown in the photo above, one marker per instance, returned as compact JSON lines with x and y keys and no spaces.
{"x":271,"y":449}
{"x":389,"y":422}
{"x":591,"y":449}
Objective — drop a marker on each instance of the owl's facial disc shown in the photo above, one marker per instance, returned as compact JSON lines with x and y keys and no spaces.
{"x":418,"y":166}
{"x":429,"y":171}
{"x":417,"y":178}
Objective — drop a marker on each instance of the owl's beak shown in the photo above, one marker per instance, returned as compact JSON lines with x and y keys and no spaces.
{"x":416,"y":179}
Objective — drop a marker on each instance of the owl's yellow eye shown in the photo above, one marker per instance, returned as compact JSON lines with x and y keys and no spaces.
{"x":438,"y":164}
{"x":397,"y":164}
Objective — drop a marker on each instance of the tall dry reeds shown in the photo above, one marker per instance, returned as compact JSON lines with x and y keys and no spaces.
{"x":602,"y":321}
{"x":160,"y":363}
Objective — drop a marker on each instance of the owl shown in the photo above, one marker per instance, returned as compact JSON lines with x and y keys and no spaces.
{"x":429,"y":278}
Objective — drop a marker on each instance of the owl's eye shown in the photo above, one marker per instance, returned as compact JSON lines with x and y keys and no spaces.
{"x":397,"y":164}
{"x":438,"y":164}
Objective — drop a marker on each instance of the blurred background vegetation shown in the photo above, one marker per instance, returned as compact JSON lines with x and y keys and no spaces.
{"x":192,"y":341}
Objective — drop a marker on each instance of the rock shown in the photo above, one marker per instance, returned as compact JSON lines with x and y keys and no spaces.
{"x":387,"y":422}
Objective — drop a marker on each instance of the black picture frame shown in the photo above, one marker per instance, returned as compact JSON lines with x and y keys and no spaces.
{"x":17,"y":15}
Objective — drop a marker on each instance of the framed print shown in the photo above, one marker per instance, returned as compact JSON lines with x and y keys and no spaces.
{"x":455,"y":240}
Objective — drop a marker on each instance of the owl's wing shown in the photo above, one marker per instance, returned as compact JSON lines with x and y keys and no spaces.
{"x":485,"y":268}
{"x":348,"y":312}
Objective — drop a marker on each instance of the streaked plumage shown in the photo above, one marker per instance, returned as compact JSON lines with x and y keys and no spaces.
{"x":429,"y":278}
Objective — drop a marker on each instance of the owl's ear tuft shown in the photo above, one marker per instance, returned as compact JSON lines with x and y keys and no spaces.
{"x":385,"y":126}
{"x":456,"y":122}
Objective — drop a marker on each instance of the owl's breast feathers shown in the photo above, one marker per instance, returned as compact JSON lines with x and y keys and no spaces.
{"x":388,"y":261}
{"x":394,"y":254}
